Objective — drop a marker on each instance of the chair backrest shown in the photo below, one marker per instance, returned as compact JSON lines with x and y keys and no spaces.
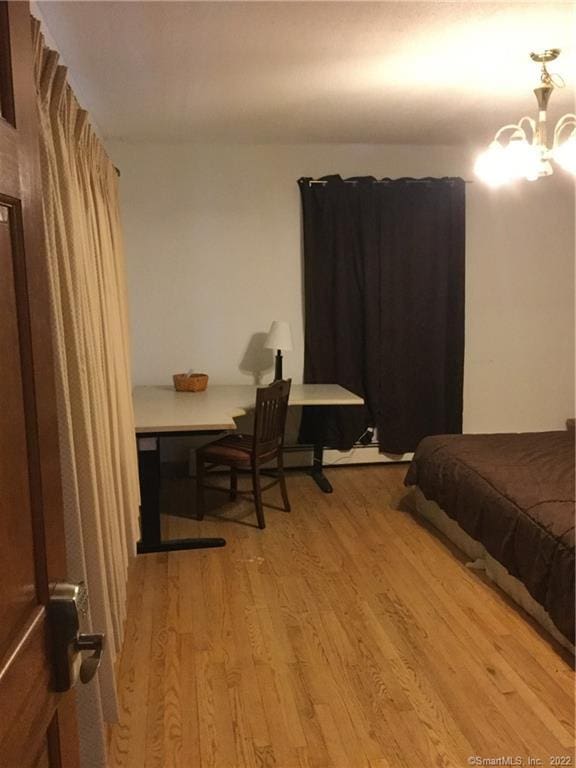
{"x":270,"y":417}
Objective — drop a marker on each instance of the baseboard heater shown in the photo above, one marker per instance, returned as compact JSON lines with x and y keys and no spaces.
{"x":301,"y":456}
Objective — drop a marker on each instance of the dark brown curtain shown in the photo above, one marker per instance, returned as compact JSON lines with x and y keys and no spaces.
{"x":384,"y":306}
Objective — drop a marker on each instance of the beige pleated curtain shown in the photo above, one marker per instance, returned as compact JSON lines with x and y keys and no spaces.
{"x":87,"y":286}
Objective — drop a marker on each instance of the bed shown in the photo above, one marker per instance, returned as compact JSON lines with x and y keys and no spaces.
{"x":508,"y":501}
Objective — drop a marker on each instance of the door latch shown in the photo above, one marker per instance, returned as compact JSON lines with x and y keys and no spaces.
{"x":68,"y":602}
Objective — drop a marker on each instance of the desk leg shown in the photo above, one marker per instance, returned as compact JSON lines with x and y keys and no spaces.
{"x":317,"y":471}
{"x":150,"y":534}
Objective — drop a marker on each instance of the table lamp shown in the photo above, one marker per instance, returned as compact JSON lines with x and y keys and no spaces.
{"x":279,"y":338}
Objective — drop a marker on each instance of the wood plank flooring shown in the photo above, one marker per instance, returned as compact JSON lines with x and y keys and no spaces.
{"x":345,"y":635}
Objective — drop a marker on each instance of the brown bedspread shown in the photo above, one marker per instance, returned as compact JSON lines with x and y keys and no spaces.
{"x":514,"y":494}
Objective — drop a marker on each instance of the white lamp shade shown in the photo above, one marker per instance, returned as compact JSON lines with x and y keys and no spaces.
{"x":279,"y":336}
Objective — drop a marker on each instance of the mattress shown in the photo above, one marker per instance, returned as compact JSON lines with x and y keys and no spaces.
{"x":513,"y":493}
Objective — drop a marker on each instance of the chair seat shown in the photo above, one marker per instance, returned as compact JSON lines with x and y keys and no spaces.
{"x":233,"y":450}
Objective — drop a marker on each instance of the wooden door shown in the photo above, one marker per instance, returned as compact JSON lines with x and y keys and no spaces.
{"x":37,"y":725}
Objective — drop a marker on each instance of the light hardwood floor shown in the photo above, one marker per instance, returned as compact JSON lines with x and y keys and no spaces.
{"x":346,"y":634}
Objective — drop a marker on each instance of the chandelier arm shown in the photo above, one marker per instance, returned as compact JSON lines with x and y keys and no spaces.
{"x":511,"y":127}
{"x":569,"y":119}
{"x":531,"y":122}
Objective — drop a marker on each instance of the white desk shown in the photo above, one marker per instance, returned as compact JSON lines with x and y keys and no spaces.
{"x":160,"y":411}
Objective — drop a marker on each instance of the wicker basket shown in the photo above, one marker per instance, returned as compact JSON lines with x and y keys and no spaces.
{"x":196,"y":382}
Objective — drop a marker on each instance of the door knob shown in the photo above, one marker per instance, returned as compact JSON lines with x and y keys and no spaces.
{"x":68,"y":602}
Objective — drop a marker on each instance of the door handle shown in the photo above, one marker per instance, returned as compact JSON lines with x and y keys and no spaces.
{"x":68,"y":602}
{"x":89,"y":666}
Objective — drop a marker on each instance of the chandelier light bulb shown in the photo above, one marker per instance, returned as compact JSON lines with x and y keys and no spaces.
{"x":520,"y":159}
{"x":491,"y":166}
{"x":530,"y":161}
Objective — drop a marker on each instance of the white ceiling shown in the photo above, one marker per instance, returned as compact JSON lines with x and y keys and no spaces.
{"x":285,"y":72}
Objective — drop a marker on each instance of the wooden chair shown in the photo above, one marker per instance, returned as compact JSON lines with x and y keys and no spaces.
{"x":250,"y":451}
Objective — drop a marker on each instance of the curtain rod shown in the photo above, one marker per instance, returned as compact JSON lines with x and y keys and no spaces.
{"x":381,"y":181}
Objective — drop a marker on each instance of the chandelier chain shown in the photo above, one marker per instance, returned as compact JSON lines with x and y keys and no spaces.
{"x":552,"y":79}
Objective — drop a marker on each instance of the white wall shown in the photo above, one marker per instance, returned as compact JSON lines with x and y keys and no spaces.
{"x":213,"y":245}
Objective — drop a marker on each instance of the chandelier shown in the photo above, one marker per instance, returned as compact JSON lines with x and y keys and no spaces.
{"x":521,"y":150}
